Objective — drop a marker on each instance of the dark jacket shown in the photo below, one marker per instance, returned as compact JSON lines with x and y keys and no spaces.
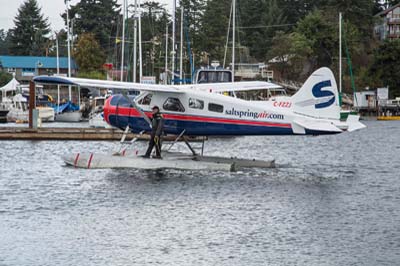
{"x":157,"y":123}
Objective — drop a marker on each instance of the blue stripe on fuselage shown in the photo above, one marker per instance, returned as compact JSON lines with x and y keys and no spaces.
{"x":175,"y":127}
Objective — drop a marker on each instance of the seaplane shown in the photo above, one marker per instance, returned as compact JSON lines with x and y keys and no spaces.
{"x":213,"y":109}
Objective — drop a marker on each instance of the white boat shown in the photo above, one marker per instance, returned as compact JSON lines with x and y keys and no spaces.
{"x":97,"y":121}
{"x":18,"y":110}
{"x":46,"y":114}
{"x":96,"y":118}
{"x":75,"y":116}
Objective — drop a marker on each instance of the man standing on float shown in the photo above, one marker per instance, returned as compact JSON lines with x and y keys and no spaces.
{"x":157,"y":123}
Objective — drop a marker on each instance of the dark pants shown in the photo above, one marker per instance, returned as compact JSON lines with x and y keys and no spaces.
{"x":153,"y":143}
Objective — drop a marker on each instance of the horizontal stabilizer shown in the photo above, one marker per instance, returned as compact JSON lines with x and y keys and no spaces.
{"x":300,"y":126}
{"x":353,"y":122}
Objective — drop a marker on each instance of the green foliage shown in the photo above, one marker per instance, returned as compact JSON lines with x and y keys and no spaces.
{"x":29,"y":36}
{"x":386,"y":68}
{"x":4,"y":78}
{"x":88,"y":53}
{"x":154,"y":20}
{"x":99,"y":17}
{"x":193,"y":12}
{"x":298,"y":9}
{"x":258,"y":22}
{"x":62,"y":44}
{"x":4,"y":41}
{"x":214,"y":25}
{"x":92,"y":75}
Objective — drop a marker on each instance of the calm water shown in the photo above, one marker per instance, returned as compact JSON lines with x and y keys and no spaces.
{"x":334,"y":200}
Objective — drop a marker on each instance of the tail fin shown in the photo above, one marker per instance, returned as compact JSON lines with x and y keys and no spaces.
{"x":318,"y":97}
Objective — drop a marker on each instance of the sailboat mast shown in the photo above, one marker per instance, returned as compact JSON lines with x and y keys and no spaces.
{"x":58,"y":73}
{"x":166,"y":55}
{"x":69,"y":53}
{"x":340,"y":53}
{"x":123,"y":38}
{"x":233,"y":38}
{"x":58,"y":56}
{"x":140,"y":43}
{"x":181,"y":52}
{"x":134,"y":42}
{"x":173,"y":41}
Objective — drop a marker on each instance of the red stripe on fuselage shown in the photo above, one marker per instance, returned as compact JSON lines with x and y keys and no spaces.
{"x":132,"y":112}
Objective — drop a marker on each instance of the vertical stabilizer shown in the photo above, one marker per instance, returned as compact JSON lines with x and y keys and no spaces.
{"x":318,"y":97}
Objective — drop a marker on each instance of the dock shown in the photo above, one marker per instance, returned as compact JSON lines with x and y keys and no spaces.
{"x":98,"y":134}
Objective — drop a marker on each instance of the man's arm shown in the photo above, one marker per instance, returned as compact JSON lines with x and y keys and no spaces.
{"x":160,"y":126}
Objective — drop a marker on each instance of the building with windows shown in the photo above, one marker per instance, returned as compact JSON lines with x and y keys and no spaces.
{"x":26,"y":67}
{"x":389,"y":23}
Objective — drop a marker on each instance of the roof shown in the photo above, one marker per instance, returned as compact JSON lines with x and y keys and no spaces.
{"x":384,"y":12}
{"x":10,"y":86}
{"x":7,"y":61}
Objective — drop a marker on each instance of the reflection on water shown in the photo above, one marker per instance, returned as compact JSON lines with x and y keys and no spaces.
{"x":333,"y":200}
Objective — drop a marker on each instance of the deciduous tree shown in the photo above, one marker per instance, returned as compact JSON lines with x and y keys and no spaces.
{"x":88,"y":53}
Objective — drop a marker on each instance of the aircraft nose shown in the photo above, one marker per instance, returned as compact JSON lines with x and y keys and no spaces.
{"x":107,"y":109}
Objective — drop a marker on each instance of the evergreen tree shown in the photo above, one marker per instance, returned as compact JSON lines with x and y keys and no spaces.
{"x":99,"y":17}
{"x":259,"y":20}
{"x":29,"y":36}
{"x":193,"y":14}
{"x":358,"y":12}
{"x":154,"y":21}
{"x":214,"y":25}
{"x":386,"y":68}
{"x":4,"y":42}
{"x":5,"y":77}
{"x":295,"y":10}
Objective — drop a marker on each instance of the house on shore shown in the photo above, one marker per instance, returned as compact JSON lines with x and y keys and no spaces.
{"x":26,"y":67}
{"x":388,"y":26}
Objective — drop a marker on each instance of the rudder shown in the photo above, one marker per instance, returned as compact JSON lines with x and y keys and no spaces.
{"x":318,"y":97}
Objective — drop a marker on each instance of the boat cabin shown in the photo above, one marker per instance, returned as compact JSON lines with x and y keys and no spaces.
{"x":213,"y":75}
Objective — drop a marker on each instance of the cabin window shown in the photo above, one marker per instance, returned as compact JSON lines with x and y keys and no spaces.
{"x":173,"y":104}
{"x":119,"y":100}
{"x":146,"y":100}
{"x":196,"y":104}
{"x":213,"y":107}
{"x":225,"y":77}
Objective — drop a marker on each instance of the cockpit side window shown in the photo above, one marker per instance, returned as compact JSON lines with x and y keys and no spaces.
{"x":213,"y":107}
{"x":173,"y":104}
{"x":146,"y":100}
{"x":196,"y":103}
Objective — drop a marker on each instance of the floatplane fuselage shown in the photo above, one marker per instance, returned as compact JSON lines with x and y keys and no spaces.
{"x":213,"y":110}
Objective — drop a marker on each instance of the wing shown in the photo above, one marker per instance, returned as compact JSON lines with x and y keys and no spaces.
{"x":231,"y":87}
{"x":107,"y":84}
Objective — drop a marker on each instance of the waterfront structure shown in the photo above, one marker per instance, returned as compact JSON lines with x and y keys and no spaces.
{"x":389,"y":23}
{"x":26,"y":67}
{"x":365,"y":99}
{"x":249,"y":71}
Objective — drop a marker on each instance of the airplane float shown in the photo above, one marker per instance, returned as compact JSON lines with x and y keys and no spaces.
{"x":214,"y":109}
